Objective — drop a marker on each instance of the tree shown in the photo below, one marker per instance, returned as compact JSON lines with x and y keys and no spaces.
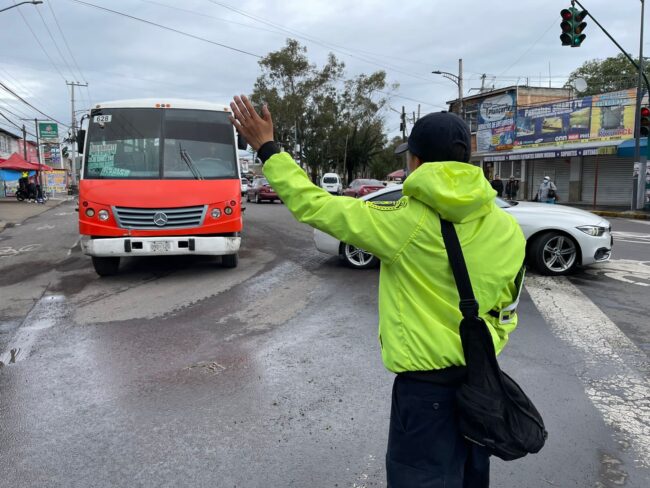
{"x":333,"y":124}
{"x":607,"y":75}
{"x":386,"y":161}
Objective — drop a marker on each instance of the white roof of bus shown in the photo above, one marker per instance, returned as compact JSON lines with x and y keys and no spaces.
{"x":173,"y":102}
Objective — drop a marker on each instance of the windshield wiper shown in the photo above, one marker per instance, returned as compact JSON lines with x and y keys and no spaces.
{"x":190,"y":164}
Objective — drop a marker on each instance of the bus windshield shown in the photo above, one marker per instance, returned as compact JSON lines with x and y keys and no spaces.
{"x":152,"y":143}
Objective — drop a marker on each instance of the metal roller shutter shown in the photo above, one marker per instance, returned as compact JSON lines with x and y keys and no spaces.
{"x":557,"y":169}
{"x":614,"y":180}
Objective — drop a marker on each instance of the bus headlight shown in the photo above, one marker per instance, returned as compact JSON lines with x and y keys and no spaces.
{"x":227,"y":210}
{"x":90,"y":212}
{"x":103,"y":214}
{"x":216,"y":213}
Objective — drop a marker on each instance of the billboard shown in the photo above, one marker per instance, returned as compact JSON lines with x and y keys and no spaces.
{"x":554,"y":123}
{"x":612,"y":116}
{"x":496,"y":123}
{"x":605,"y":117}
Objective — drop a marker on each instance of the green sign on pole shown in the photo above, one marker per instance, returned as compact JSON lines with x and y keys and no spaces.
{"x":48,"y":131}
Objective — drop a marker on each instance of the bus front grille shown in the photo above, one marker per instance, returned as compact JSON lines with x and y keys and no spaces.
{"x":159,"y":218}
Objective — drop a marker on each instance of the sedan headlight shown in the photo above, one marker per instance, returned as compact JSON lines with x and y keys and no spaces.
{"x":592,"y":230}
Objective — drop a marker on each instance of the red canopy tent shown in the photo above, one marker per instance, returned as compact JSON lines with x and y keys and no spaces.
{"x":396,"y":174}
{"x":16,"y":162}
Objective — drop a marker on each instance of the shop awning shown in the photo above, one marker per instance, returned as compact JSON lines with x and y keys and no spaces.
{"x":626,"y":149}
{"x":16,"y":162}
{"x":550,"y":152}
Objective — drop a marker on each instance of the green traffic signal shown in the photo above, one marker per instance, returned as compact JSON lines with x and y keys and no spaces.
{"x":572,"y":26}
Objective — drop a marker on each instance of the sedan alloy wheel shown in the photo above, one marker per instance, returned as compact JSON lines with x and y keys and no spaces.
{"x":554,"y":254}
{"x":356,"y":257}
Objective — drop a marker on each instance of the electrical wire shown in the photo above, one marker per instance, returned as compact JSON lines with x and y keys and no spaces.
{"x":555,"y":19}
{"x":49,"y":117}
{"x":22,"y":87}
{"x":20,"y":128}
{"x":322,"y":43}
{"x":56,"y":44}
{"x":164,"y":27}
{"x":40,"y":44}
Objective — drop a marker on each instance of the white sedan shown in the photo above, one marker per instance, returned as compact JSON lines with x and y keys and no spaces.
{"x":559,"y":238}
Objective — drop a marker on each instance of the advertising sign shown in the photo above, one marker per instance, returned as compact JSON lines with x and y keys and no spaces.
{"x":55,"y":181}
{"x":612,"y":116}
{"x":496,"y":123}
{"x":554,"y":123}
{"x":48,"y":131}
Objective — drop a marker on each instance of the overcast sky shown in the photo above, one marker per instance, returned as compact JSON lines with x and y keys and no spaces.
{"x":509,"y":41}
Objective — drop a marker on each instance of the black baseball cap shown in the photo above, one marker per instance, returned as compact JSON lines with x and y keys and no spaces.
{"x":434,"y":136}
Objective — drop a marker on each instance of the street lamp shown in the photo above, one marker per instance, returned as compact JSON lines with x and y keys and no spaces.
{"x":33,"y":2}
{"x":456,"y":79}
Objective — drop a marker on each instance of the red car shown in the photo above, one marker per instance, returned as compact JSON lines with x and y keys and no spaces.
{"x":361,"y":187}
{"x":260,"y":190}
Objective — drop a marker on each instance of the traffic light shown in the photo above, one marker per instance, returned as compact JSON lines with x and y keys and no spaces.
{"x":572,"y":26}
{"x":644,"y":121}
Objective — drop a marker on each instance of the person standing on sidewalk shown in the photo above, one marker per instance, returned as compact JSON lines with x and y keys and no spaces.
{"x":547,"y":191}
{"x":512,"y":188}
{"x":418,"y":299}
{"x":497,"y":184}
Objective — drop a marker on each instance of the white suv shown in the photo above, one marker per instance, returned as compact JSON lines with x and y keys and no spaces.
{"x":332,"y":183}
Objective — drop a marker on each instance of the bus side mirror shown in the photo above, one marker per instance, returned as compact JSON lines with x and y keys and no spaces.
{"x":241,"y":142}
{"x":81,"y":137}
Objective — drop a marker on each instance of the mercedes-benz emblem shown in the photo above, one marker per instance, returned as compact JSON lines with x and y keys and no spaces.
{"x":160,"y":219}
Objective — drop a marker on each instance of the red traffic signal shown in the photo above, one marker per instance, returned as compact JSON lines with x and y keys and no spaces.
{"x":644,"y":122}
{"x":566,"y":14}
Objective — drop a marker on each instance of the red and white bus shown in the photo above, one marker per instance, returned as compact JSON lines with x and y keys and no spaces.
{"x":159,"y":178}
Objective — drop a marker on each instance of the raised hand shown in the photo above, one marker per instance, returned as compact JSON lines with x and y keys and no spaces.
{"x":255,"y":129}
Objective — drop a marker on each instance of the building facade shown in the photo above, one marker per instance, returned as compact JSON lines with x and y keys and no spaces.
{"x":529,"y":133}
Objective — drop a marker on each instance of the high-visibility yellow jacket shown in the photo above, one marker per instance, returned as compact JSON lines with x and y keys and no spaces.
{"x":418,"y":299}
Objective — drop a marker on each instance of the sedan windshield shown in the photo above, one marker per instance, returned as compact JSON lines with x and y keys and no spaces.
{"x":151,"y":143}
{"x":371,"y":183}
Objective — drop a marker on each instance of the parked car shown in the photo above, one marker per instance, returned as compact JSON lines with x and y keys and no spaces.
{"x":244,"y":186}
{"x":559,"y":238}
{"x":332,"y":183}
{"x":361,"y":187}
{"x":260,"y":190}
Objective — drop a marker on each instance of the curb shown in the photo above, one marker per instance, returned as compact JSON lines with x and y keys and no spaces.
{"x":623,"y":215}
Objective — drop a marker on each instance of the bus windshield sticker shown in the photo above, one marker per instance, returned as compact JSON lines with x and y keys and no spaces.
{"x":102,"y":119}
{"x":101,"y":155}
{"x":109,"y":171}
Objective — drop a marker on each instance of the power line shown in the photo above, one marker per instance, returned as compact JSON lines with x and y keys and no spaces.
{"x":56,"y":44}
{"x":322,"y":43}
{"x":65,"y":41}
{"x":555,"y":19}
{"x":171,"y":29}
{"x":49,"y":117}
{"x":19,"y":127}
{"x":40,"y":44}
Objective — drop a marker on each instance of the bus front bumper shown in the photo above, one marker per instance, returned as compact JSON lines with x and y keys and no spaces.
{"x":160,"y":246}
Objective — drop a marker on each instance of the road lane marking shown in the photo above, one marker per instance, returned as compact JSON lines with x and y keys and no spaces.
{"x":634,"y":237}
{"x":644,"y":222}
{"x":613,"y":370}
{"x":625,"y":270}
{"x":46,"y":227}
{"x":10,"y":251}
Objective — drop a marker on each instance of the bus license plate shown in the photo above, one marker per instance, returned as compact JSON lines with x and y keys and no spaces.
{"x":160,"y":246}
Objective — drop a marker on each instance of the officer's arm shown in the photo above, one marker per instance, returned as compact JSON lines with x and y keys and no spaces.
{"x":373,"y":227}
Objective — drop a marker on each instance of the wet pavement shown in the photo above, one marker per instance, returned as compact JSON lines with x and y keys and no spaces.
{"x":177,"y":372}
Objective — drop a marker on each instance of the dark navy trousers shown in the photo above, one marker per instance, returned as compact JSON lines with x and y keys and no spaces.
{"x":425,"y":447}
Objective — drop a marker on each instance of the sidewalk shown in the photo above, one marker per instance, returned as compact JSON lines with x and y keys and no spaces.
{"x":13,"y":212}
{"x":608,"y":211}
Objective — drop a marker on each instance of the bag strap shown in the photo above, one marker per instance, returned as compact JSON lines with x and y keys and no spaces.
{"x":468,"y":304}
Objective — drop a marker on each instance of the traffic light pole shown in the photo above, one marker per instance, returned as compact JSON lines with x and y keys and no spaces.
{"x":640,"y":160}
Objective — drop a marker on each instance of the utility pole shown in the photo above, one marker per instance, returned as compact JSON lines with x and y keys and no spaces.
{"x":639,"y":159}
{"x":460,"y":88}
{"x":24,"y":143}
{"x":402,"y":124}
{"x":73,"y":127}
{"x":483,"y":76}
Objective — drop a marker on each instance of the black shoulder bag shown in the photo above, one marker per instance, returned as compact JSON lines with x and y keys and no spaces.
{"x":493,"y":409}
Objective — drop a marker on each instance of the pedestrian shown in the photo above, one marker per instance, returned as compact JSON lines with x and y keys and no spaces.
{"x":547,"y":192}
{"x":418,"y":298}
{"x":512,"y":188}
{"x":497,"y":184}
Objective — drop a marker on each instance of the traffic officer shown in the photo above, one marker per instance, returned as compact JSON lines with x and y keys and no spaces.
{"x":418,"y":299}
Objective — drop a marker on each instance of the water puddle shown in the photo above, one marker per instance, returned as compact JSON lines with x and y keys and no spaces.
{"x":42,"y":316}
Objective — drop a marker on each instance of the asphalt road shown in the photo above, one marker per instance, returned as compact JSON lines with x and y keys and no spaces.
{"x":180,"y":373}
